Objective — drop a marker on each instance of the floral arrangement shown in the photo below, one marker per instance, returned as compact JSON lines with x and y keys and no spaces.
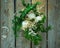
{"x":31,"y":22}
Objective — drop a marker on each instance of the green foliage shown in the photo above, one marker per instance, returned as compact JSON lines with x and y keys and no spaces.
{"x":35,"y":39}
{"x":28,"y":9}
{"x":17,"y":23}
{"x":17,"y":20}
{"x":23,"y":2}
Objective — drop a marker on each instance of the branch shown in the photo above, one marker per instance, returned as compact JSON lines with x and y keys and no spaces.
{"x":23,"y":2}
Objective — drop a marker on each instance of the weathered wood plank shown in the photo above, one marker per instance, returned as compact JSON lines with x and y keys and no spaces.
{"x":0,"y":23}
{"x":41,"y":8}
{"x":52,"y":22}
{"x":57,"y":13}
{"x":10,"y":17}
{"x":21,"y":42}
{"x":7,"y":36}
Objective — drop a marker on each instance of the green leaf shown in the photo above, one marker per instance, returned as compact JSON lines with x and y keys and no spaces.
{"x":17,"y":23}
{"x":37,"y":39}
{"x":28,"y":9}
{"x":38,"y":3}
{"x":23,"y":2}
{"x":48,"y":28}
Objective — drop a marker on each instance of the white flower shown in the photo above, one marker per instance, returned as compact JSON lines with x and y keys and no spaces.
{"x":25,"y":24}
{"x":32,"y":33}
{"x":31,"y":16}
{"x":38,"y":18}
{"x":30,"y":29}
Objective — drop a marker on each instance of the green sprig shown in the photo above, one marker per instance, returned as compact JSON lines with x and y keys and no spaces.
{"x":17,"y":23}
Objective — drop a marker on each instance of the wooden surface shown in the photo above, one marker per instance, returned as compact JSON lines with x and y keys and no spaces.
{"x":21,"y":42}
{"x":0,"y":24}
{"x":7,"y":36}
{"x":57,"y":18}
{"x":42,"y":5}
{"x":54,"y":21}
{"x":41,"y":8}
{"x":7,"y":14}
